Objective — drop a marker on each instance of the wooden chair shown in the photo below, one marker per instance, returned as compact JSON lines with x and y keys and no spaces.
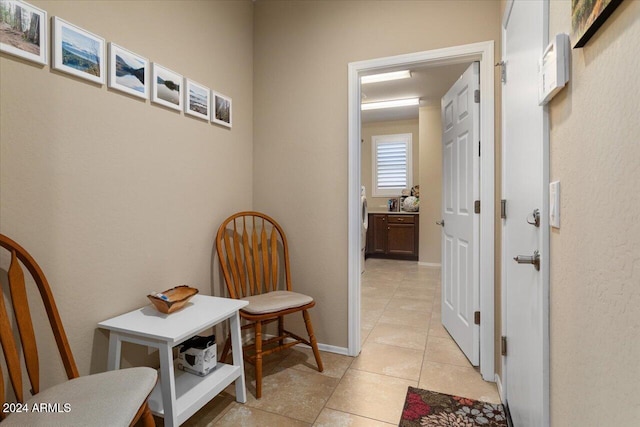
{"x":109,"y":398}
{"x":254,"y":258}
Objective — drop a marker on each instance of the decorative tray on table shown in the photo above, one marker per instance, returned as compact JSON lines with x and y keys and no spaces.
{"x":172,"y":299}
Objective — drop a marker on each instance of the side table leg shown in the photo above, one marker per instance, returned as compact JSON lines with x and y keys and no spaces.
{"x":236,"y":345}
{"x":168,"y":386}
{"x":115,"y":349}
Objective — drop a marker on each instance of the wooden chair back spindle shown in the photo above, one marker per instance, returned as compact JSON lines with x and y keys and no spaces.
{"x":22,"y":314}
{"x":9,"y":346}
{"x":255,"y":250}
{"x":252,"y":244}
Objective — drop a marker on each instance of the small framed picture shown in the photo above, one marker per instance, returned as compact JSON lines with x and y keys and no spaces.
{"x":196,"y":100}
{"x":221,"y":109}
{"x":166,"y":87}
{"x":23,"y":30}
{"x":78,"y":52}
{"x":128,"y":71}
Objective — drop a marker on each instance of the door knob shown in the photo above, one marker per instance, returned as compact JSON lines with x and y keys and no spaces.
{"x":441,"y":222}
{"x":534,"y":260}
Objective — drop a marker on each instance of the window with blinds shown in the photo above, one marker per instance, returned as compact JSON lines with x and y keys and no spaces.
{"x":391,"y":168}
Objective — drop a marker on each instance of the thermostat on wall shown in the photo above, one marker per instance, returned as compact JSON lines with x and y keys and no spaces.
{"x":554,"y":68}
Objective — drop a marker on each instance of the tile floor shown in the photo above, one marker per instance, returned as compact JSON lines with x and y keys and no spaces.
{"x":404,"y":344}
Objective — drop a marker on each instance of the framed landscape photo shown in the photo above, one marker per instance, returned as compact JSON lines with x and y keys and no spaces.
{"x":23,"y":30}
{"x":77,"y":51}
{"x":197,"y":100}
{"x":587,"y":16}
{"x":221,"y":109}
{"x":166,"y":87}
{"x":128,"y":71}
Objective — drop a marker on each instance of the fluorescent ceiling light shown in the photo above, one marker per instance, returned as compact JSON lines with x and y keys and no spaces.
{"x":384,"y":77}
{"x":390,"y":104}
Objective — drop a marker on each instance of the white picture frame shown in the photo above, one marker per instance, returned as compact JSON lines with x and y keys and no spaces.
{"x":221,"y":109}
{"x":128,"y":71}
{"x":33,"y":25}
{"x":168,"y":95}
{"x":77,"y":51}
{"x":197,"y":100}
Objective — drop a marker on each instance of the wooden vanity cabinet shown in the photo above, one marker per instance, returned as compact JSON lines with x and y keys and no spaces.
{"x":392,"y":236}
{"x":377,"y":234}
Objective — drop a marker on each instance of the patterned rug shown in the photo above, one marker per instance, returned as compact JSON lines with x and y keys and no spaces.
{"x":428,"y":408}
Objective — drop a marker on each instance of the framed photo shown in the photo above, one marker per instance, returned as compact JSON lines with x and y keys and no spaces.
{"x":128,"y":71}
{"x":221,"y":109}
{"x":197,"y":100}
{"x":77,"y":51}
{"x":587,"y":16}
{"x":166,"y":87}
{"x":23,"y":30}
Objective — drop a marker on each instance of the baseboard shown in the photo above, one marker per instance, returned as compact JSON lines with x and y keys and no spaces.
{"x":247,"y":338}
{"x":325,"y":347}
{"x":507,"y":413}
{"x":499,"y":385}
{"x":333,"y":349}
{"x":430,"y":264}
{"x":330,"y":349}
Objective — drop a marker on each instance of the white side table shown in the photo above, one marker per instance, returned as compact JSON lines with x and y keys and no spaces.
{"x":180,"y":394}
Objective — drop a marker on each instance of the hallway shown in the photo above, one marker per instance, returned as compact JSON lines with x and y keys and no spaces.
{"x":404,"y":344}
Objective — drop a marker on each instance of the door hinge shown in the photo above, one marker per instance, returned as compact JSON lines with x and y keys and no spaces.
{"x":503,"y":71}
{"x":476,"y":96}
{"x":503,"y":346}
{"x":479,"y":148}
{"x":476,"y":206}
{"x":503,"y":209}
{"x":476,"y":318}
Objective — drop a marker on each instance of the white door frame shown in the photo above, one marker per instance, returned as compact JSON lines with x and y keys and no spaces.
{"x":483,"y":52}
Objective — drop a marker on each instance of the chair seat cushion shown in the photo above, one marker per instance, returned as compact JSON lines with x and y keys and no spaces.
{"x":275,"y":301}
{"x":108,"y":399}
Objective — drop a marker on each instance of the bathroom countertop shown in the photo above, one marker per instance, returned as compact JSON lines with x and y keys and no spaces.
{"x":393,"y":213}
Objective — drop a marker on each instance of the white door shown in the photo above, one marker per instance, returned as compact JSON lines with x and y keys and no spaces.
{"x":525,"y":178}
{"x":460,"y":236}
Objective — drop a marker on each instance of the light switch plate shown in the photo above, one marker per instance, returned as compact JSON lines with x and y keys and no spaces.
{"x":554,"y":204}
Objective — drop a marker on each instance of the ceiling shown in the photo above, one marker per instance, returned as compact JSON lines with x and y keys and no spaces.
{"x":427,"y":82}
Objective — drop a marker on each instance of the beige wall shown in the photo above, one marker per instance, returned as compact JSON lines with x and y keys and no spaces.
{"x":430,"y":184}
{"x":595,"y":255}
{"x":116,"y":197}
{"x":302,"y":50}
{"x":369,"y":130}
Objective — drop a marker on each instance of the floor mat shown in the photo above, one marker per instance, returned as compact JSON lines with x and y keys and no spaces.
{"x":429,"y":408}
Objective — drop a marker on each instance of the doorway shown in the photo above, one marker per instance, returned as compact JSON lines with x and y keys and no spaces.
{"x":400,"y":150}
{"x":483,"y":52}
